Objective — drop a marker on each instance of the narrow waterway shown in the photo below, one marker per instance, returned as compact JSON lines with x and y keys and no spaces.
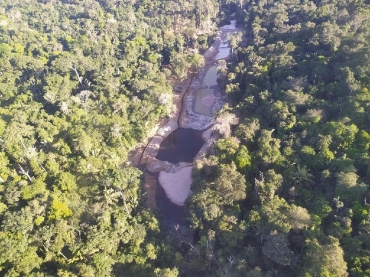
{"x":178,"y":150}
{"x":205,"y":95}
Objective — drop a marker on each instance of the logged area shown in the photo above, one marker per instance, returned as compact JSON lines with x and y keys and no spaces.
{"x":185,"y":138}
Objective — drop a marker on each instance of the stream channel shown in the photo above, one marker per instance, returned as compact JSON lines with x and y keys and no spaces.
{"x":191,"y":138}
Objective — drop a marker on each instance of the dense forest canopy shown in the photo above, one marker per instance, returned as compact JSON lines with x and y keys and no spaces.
{"x":298,"y":83}
{"x":81,"y":83}
{"x":284,"y":190}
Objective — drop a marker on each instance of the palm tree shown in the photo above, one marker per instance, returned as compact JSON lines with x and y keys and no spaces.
{"x":301,"y":176}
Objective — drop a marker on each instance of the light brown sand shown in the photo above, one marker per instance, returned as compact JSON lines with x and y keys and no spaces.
{"x":176,"y":185}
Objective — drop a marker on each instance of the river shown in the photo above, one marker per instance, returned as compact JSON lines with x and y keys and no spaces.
{"x":170,"y":154}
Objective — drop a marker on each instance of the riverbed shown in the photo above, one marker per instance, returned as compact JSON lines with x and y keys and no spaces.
{"x":170,"y":154}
